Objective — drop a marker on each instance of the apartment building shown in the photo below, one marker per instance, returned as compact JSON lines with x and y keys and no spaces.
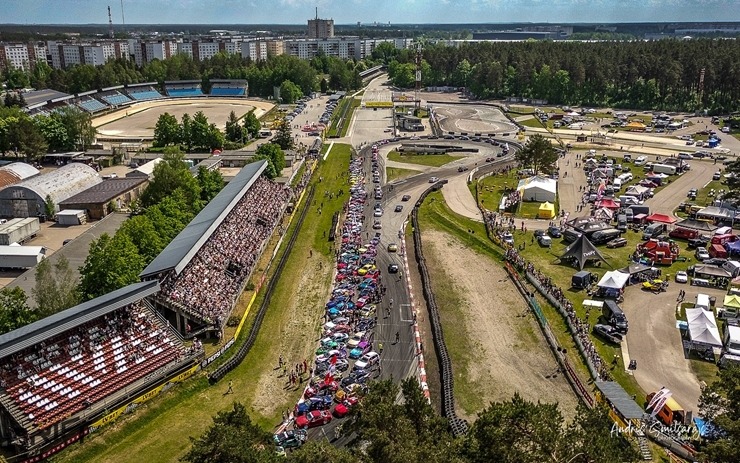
{"x":21,"y":55}
{"x":320,"y":28}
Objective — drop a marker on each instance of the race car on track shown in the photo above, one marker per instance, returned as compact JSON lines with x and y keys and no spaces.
{"x":313,"y":419}
{"x":291,"y":439}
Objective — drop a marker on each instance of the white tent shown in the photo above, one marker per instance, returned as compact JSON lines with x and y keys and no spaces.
{"x":703,"y":327}
{"x":614,"y":280}
{"x":538,"y":188}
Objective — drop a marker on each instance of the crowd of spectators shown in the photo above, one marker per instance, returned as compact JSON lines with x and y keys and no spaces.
{"x":208,"y":286}
{"x":72,"y":370}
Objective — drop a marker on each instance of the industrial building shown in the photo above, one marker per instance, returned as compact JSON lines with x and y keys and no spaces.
{"x":15,"y":172}
{"x":28,"y":198}
{"x":107,"y":196}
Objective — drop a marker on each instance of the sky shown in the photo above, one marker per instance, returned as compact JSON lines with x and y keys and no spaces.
{"x":365,"y":11}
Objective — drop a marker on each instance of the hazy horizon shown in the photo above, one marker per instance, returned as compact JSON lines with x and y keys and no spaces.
{"x":349,"y":12}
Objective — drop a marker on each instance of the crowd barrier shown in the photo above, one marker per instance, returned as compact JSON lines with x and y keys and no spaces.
{"x":457,"y":425}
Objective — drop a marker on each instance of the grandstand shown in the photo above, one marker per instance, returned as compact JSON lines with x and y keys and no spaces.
{"x":143,"y":92}
{"x":113,"y":96}
{"x":228,"y":87}
{"x":183,"y":88}
{"x":61,"y":373}
{"x":91,"y":105}
{"x":204,"y":269}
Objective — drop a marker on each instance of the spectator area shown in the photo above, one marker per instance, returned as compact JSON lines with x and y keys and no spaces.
{"x":92,"y":105}
{"x":143,"y":93}
{"x":228,"y":87}
{"x":115,"y":98}
{"x":59,"y":366}
{"x":204,"y":268}
{"x":185,"y":88}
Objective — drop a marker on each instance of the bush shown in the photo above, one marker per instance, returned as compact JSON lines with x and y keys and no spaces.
{"x":232,"y":321}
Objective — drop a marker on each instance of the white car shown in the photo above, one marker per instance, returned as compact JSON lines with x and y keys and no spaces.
{"x":682,"y":277}
{"x":508,"y":238}
{"x":356,"y":339}
{"x":378,"y":213}
{"x":433,"y":180}
{"x":367,"y":360}
{"x":702,"y":254}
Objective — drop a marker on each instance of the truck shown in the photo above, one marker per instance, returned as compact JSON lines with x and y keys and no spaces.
{"x":731,"y":339}
{"x":664,"y":169}
{"x":18,"y":230}
{"x":21,"y":257}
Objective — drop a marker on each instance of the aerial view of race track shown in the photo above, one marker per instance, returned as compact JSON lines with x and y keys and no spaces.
{"x":471,"y":118}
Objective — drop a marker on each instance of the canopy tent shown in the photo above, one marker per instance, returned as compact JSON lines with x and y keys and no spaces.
{"x":660,"y":218}
{"x":703,"y":327}
{"x":634,"y":268}
{"x":699,"y":225}
{"x":593,"y":304}
{"x":582,"y":250}
{"x":538,"y":189}
{"x":634,"y":125}
{"x":613,"y":280}
{"x":607,"y":203}
{"x":546,"y":210}
{"x":711,"y":270}
{"x":604,"y":214}
{"x":716,"y":213}
{"x":587,"y":224}
{"x":637,"y":190}
{"x":732,"y":301}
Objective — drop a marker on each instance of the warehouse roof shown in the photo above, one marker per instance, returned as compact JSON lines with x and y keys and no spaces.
{"x":59,"y":184}
{"x":105,"y":191}
{"x":51,"y":326}
{"x":15,"y":172}
{"x":42,"y":96}
{"x":178,"y":253}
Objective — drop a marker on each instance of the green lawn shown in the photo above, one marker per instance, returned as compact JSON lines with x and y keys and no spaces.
{"x":432,"y":160}
{"x":396,"y":173}
{"x":702,"y":196}
{"x":532,"y":122}
{"x":159,"y":430}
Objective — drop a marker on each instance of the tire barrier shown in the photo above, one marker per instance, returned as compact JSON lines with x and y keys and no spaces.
{"x":458,"y":426}
{"x":244,"y":349}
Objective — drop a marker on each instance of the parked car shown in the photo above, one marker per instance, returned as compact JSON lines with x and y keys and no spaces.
{"x":293,"y":438}
{"x":392,"y":268}
{"x":698,"y":242}
{"x":398,"y":208}
{"x":609,"y":333}
{"x":345,"y":406}
{"x":313,"y":419}
{"x":393,"y":247}
{"x":701,"y":253}
{"x":544,"y":241}
{"x":682,"y":277}
{"x":508,"y":238}
{"x":367,"y":360}
{"x":555,"y":232}
{"x":617,"y":243}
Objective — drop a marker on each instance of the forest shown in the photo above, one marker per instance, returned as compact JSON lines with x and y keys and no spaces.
{"x":670,"y":75}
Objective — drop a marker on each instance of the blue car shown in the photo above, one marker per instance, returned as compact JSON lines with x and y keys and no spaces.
{"x":362,"y":348}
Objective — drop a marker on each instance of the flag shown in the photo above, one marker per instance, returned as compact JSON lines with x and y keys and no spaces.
{"x":659,"y":400}
{"x":601,"y":188}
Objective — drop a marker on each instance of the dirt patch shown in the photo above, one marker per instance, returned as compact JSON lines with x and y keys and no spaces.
{"x":495,"y":343}
{"x":297,"y":337}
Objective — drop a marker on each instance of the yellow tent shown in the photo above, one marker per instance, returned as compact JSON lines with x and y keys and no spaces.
{"x":635,"y":126}
{"x":732,"y":300}
{"x":546,"y":211}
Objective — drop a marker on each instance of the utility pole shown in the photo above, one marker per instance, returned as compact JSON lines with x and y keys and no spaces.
{"x":417,"y":101}
{"x":110,"y":24}
{"x":123,"y":18}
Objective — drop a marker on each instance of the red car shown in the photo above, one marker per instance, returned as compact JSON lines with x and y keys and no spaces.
{"x":312,"y":419}
{"x":343,"y":408}
{"x":332,"y":386}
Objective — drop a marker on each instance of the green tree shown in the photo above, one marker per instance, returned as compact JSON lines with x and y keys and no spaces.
{"x":169,"y":176}
{"x":15,"y":78}
{"x":186,"y":131}
{"x":78,"y":124}
{"x":54,"y":132}
{"x":290,"y":92}
{"x":232,"y":438}
{"x":720,"y":404}
{"x":275,"y":159}
{"x":211,"y":182}
{"x":166,"y":130}
{"x":111,"y":264}
{"x":537,"y":154}
{"x":50,"y":207}
{"x":200,"y":131}
{"x":145,"y":236}
{"x":283,"y":136}
{"x":214,"y":138}
{"x":234,"y":130}
{"x":252,"y":124}
{"x":319,"y":451}
{"x":55,"y":288}
{"x":14,"y":310}
{"x":170,"y":215}
{"x":324,"y":85}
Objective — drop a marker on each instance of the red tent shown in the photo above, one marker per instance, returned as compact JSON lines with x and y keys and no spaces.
{"x":607,"y":203}
{"x":660,"y":218}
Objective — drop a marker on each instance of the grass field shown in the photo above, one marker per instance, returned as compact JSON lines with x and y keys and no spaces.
{"x":159,"y":430}
{"x":432,"y":160}
{"x":396,"y":173}
{"x":702,"y":196}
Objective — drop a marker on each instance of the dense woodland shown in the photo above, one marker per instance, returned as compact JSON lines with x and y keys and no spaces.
{"x":661,"y":74}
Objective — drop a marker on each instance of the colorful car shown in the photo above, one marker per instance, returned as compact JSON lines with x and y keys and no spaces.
{"x":290,"y":439}
{"x":345,"y":406}
{"x":367,"y":360}
{"x":313,"y":419}
{"x":356,"y":339}
{"x":362,"y":348}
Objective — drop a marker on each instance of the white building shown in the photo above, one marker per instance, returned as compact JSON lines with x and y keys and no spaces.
{"x":256,"y":50}
{"x":340,"y":47}
{"x":15,"y":55}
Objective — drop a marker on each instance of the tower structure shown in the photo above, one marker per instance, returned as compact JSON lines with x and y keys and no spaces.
{"x":110,"y":24}
{"x":417,"y":89}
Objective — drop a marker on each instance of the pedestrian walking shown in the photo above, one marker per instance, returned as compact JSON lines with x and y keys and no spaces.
{"x":380,"y":347}
{"x":398,"y":337}
{"x":230,"y":390}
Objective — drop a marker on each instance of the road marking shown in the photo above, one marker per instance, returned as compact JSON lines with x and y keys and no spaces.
{"x":328,"y":150}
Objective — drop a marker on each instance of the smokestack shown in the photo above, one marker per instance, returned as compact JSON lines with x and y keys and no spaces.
{"x":123,"y":18}
{"x":110,"y":24}
{"x":317,"y":12}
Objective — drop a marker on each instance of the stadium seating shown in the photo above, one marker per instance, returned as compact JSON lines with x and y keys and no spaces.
{"x":63,"y":375}
{"x":116,"y":99}
{"x":92,"y":105}
{"x":184,"y":91}
{"x":224,"y":91}
{"x":208,"y":286}
{"x":144,"y":93}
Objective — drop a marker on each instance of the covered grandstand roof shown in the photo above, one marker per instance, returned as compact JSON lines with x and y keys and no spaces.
{"x":178,"y":253}
{"x":42,"y":96}
{"x":15,"y":172}
{"x":620,"y":400}
{"x":61,"y":183}
{"x":48,"y":327}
